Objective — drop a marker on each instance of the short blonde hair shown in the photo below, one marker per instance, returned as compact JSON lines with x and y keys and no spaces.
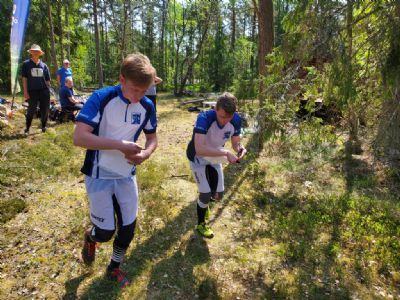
{"x":137,"y":68}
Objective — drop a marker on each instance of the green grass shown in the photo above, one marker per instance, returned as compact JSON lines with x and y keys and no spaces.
{"x":333,"y":231}
{"x":9,"y":208}
{"x":298,"y":220}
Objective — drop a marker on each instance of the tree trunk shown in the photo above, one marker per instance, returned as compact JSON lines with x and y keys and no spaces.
{"x":193,"y":61}
{"x":102,"y":29}
{"x":53,"y":67}
{"x":202,"y":27}
{"x":253,"y":39}
{"x":60,"y":26}
{"x":233,"y":24}
{"x":97,"y":39}
{"x":265,"y":15}
{"x":124,"y":28}
{"x":68,"y":30}
{"x":162,"y":37}
{"x":352,"y":114}
{"x":178,"y":41}
{"x":387,"y":141}
{"x":106,"y":43}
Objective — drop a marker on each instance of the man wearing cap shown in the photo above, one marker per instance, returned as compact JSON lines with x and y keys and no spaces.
{"x":64,"y":72}
{"x":36,"y":83}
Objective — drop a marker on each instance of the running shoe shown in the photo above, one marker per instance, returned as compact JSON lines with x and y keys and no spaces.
{"x":89,"y":249}
{"x":117,"y":275}
{"x":205,"y":230}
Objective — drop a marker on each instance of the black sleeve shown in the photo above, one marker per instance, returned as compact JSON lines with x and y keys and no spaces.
{"x":24,"y":71}
{"x":46,"y":73}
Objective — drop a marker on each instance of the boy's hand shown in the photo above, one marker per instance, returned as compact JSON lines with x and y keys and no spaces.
{"x":138,"y":158}
{"x":232,"y":158}
{"x":130,"y":149}
{"x":241,"y":153}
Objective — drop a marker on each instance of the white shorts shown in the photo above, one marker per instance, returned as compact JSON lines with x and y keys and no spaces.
{"x":100,"y":192}
{"x":199,"y":174}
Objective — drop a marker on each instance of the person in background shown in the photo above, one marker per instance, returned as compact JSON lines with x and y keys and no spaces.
{"x":63,"y":72}
{"x":151,"y":93}
{"x":108,"y":126}
{"x":67,"y":99}
{"x":211,"y":131}
{"x":36,"y":84}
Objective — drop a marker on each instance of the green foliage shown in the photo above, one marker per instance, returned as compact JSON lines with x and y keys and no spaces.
{"x":81,"y":77}
{"x":5,"y":10}
{"x":391,"y":69}
{"x":373,"y":226}
{"x":245,"y":84}
{"x":245,"y":88}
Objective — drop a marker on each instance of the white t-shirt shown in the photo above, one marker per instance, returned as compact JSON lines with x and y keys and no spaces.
{"x":113,"y":116}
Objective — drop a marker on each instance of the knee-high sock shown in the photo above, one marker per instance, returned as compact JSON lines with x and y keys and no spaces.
{"x":201,"y":213}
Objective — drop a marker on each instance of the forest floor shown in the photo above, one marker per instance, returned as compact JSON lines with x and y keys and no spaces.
{"x":302,"y":219}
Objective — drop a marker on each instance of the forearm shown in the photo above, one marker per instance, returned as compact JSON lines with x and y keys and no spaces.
{"x":25,"y":85}
{"x":73,"y":100}
{"x":236,"y":145}
{"x":203,"y":150}
{"x":151,"y":144}
{"x":93,"y":142}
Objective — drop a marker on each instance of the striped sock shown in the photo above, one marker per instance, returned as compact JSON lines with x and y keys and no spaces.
{"x":117,"y":257}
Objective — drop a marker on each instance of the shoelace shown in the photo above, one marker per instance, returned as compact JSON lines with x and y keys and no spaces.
{"x":206,"y":227}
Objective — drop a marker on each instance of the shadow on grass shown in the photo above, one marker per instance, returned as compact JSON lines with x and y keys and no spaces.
{"x":315,"y":256}
{"x":71,"y":287}
{"x":357,"y":172}
{"x":235,"y":174}
{"x":143,"y":255}
{"x":306,"y":231}
{"x":157,"y":245}
{"x":306,"y":237}
{"x":295,"y":225}
{"x":183,"y":284}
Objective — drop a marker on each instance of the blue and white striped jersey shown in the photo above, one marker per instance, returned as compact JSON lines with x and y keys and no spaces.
{"x":113,"y":116}
{"x":216,"y":136}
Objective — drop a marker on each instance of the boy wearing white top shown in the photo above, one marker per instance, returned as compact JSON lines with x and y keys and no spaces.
{"x":108,"y":126}
{"x":206,"y":153}
{"x":151,"y":92}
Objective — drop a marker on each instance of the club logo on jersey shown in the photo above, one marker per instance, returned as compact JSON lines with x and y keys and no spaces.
{"x":227,"y":135}
{"x":135,"y":118}
{"x":37,"y":72}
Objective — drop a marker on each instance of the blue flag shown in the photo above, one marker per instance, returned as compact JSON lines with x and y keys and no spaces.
{"x":18,"y":26}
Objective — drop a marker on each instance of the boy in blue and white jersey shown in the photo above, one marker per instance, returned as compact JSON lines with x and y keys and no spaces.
{"x":108,"y":126}
{"x":211,"y":131}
